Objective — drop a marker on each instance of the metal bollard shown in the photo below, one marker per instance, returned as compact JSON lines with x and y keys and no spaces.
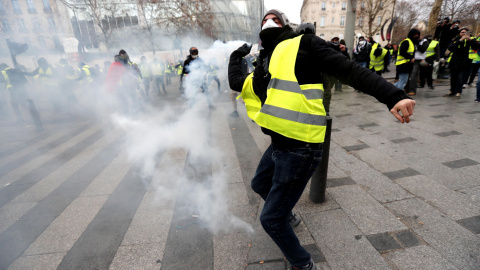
{"x":318,"y":183}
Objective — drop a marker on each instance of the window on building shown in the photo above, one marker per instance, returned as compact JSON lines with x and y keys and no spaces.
{"x":324,"y":5}
{"x":16,"y":7}
{"x":37,"y":26}
{"x":46,"y":6}
{"x":322,"y":21}
{"x":360,"y":21}
{"x":51,"y":23}
{"x":21,"y":25}
{"x":344,"y":5}
{"x":333,"y":5}
{"x":41,"y":42}
{"x":342,"y":21}
{"x":5,"y":26}
{"x":333,"y":20}
{"x":31,"y":6}
{"x":379,"y":20}
{"x":381,"y":4}
{"x":2,"y":8}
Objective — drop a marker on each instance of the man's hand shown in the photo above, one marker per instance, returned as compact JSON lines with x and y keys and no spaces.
{"x":405,"y":106}
{"x":245,"y":49}
{"x":412,"y":61}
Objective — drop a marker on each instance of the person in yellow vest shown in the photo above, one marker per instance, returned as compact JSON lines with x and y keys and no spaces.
{"x":378,"y":57}
{"x":212,"y":73}
{"x":16,"y":85}
{"x":47,"y":82}
{"x":459,"y":62}
{"x":473,"y":54}
{"x":157,"y":71}
{"x":432,"y":56}
{"x":146,"y":71}
{"x":168,"y":72}
{"x":66,"y":77}
{"x":405,"y":57}
{"x":283,"y":95}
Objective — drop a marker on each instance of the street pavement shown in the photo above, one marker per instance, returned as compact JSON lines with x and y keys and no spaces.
{"x":399,"y":196}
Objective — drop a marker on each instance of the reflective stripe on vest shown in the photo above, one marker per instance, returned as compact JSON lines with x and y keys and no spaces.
{"x":167,"y":68}
{"x":47,"y":81}
{"x":7,"y":80}
{"x":377,"y":62}
{"x":292,"y":110}
{"x":212,"y":71}
{"x":431,"y":48}
{"x":411,"y":49}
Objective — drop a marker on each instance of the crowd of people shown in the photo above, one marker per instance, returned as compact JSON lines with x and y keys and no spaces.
{"x":121,"y":85}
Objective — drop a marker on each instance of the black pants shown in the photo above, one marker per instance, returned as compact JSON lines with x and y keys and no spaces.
{"x":426,"y":73}
{"x":456,"y":80}
{"x":475,"y":67}
{"x":467,"y":69}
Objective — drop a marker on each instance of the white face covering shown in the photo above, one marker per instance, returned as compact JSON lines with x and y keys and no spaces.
{"x":269,"y":24}
{"x":194,"y":56}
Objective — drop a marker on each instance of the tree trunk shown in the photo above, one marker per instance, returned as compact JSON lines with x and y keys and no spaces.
{"x":432,"y":21}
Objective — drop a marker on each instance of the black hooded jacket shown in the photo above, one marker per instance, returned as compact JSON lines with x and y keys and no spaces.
{"x":314,"y":58}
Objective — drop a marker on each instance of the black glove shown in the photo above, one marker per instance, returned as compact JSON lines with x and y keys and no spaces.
{"x":245,"y":49}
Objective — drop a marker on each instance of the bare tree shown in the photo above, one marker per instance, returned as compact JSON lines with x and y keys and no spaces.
{"x":409,"y":14}
{"x":151,"y":15}
{"x":372,"y":14}
{"x":102,"y":13}
{"x":186,"y":15}
{"x":469,"y":14}
{"x":434,"y":15}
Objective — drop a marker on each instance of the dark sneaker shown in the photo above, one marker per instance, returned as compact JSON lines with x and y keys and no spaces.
{"x":431,"y":87}
{"x":294,"y":220}
{"x":309,"y":266}
{"x":451,"y":94}
{"x":234,"y":114}
{"x":420,"y":86}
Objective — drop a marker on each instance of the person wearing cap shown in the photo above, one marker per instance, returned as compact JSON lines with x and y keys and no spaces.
{"x":283,"y":95}
{"x":195,"y":64}
{"x":459,"y":62}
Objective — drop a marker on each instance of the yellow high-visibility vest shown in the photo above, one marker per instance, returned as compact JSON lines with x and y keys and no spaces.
{"x":157,"y":69}
{"x":292,"y":110}
{"x":411,"y":49}
{"x":377,"y":62}
{"x":88,"y":75}
{"x":212,"y":71}
{"x":7,"y":80}
{"x":431,"y":48}
{"x":145,"y":70}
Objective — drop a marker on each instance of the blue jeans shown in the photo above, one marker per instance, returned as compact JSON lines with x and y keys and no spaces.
{"x":402,"y":80}
{"x":362,"y":64}
{"x":280,"y":179}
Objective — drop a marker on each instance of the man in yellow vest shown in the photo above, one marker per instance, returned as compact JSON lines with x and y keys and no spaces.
{"x":146,"y":71}
{"x":433,"y":54}
{"x":16,"y":85}
{"x":473,"y":54}
{"x":378,"y":57}
{"x":212,"y":73}
{"x":158,"y":71}
{"x":405,"y":57}
{"x":284,"y":96}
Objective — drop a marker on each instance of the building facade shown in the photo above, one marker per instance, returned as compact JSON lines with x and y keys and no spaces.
{"x":330,"y":16}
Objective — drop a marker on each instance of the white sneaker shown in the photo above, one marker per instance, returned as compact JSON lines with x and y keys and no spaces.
{"x":457,"y":94}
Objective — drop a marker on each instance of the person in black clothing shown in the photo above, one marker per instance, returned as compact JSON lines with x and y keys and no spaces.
{"x":194,"y":66}
{"x":460,"y":48}
{"x":361,"y":53}
{"x":288,"y":163}
{"x":16,"y":84}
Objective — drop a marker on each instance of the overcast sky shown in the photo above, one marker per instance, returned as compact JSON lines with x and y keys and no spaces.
{"x":290,"y":7}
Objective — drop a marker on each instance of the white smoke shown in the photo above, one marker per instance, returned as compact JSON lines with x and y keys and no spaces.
{"x":164,"y":129}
